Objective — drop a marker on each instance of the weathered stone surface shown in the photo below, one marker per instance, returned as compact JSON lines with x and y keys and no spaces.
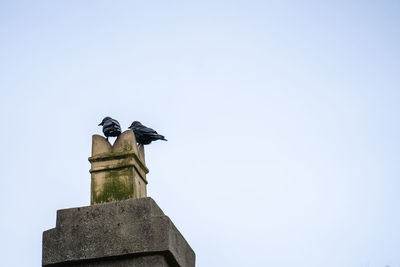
{"x":118,"y":172}
{"x":141,"y":261}
{"x":121,"y":233}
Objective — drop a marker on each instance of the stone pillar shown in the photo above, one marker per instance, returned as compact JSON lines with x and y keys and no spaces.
{"x":133,"y":233}
{"x":128,"y":231}
{"x":118,"y":172}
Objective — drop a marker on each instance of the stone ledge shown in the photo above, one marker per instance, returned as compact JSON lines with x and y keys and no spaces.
{"x":112,"y":156}
{"x":130,"y":228}
{"x":128,"y":261}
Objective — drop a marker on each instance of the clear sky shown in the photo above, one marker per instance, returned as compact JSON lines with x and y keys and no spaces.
{"x":282,"y":119}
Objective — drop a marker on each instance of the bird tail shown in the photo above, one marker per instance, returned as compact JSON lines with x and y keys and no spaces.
{"x":162,"y":137}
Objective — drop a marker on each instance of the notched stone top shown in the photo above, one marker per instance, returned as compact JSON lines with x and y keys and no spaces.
{"x":125,"y":144}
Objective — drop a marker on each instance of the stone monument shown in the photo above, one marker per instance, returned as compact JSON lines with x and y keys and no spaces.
{"x":119,"y":171}
{"x":122,"y":227}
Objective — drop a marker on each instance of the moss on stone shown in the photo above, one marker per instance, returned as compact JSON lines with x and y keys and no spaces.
{"x":128,"y":147}
{"x":116,"y":187}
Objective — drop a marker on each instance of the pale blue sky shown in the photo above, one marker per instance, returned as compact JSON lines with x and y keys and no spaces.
{"x":281,"y":116}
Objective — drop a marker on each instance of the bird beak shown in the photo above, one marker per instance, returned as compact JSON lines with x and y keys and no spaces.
{"x":99,"y":124}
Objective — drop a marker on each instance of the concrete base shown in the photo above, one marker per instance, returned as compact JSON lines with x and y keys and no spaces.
{"x":142,"y":261}
{"x":132,"y":232}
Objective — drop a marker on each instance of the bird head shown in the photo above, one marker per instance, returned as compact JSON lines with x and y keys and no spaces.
{"x":134,"y":124}
{"x":104,"y":120}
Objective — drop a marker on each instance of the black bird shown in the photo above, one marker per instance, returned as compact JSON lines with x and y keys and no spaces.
{"x":111,"y":127}
{"x":145,"y":135}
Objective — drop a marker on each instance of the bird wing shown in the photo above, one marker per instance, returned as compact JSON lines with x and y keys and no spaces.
{"x":145,"y":130}
{"x":112,"y":124}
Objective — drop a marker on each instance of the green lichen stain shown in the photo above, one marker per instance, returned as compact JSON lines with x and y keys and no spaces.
{"x":128,"y":147}
{"x":118,"y":186}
